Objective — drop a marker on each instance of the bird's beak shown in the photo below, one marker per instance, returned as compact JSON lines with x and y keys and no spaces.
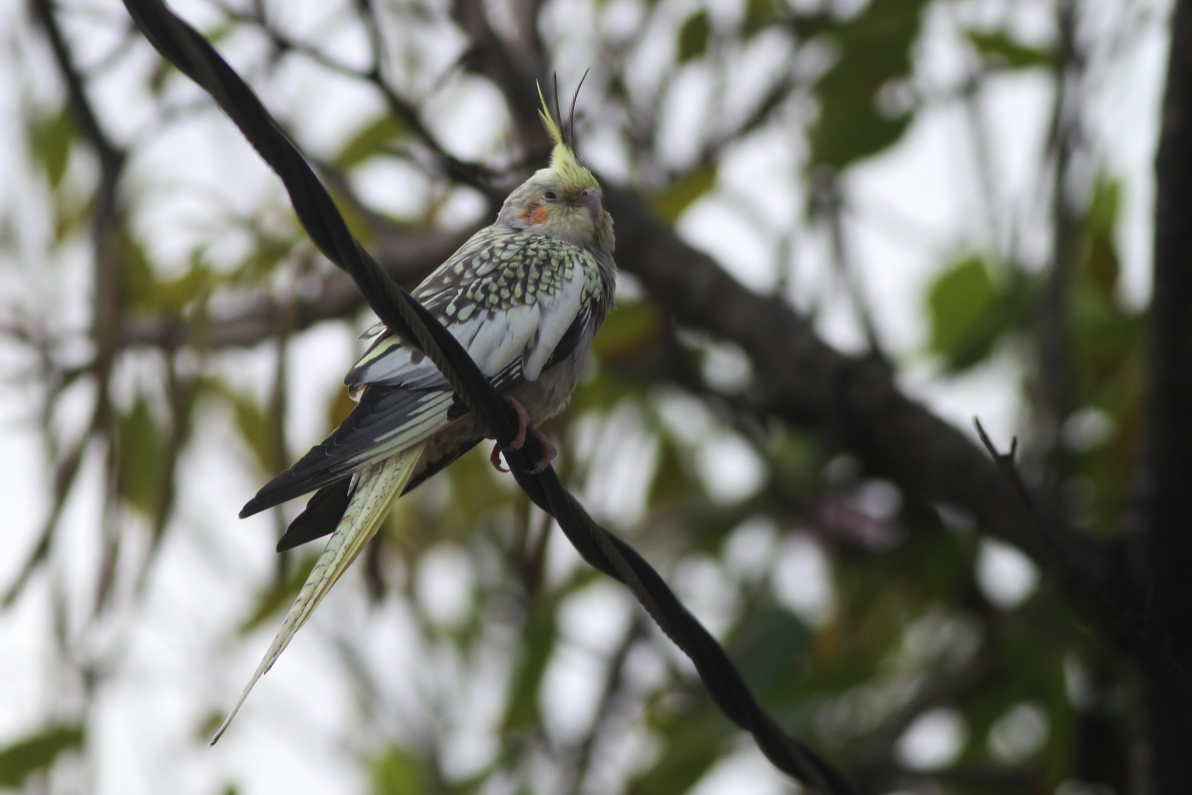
{"x":595,"y":208}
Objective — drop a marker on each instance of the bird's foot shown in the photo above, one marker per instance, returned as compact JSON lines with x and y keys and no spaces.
{"x":549,"y":451}
{"x":523,"y":422}
{"x":494,"y":458}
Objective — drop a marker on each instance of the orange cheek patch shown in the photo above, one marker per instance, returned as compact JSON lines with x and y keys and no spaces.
{"x":534,"y":214}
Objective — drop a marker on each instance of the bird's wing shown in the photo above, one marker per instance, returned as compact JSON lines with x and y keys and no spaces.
{"x":505,"y":295}
{"x":375,"y":489}
{"x":515,"y":301}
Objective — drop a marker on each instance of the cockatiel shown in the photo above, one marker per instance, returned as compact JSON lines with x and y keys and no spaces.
{"x":525,"y":297}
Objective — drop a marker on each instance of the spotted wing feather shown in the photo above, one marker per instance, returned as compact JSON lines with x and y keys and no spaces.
{"x":514,"y":300}
{"x":505,"y":294}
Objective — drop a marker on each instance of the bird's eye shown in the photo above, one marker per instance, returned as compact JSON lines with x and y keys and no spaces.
{"x":550,"y":195}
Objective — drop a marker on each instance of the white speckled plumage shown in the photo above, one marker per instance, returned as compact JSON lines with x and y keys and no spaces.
{"x":525,"y":297}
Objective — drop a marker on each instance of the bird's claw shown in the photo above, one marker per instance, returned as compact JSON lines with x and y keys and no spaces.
{"x":549,"y":451}
{"x":523,"y":422}
{"x":494,"y":458}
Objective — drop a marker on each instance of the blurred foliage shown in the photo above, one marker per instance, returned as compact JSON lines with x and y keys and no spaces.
{"x":670,"y":203}
{"x":371,"y":139}
{"x":1002,"y":51}
{"x":693,"y":36}
{"x":969,"y":312}
{"x":37,"y":753}
{"x":873,"y":52}
{"x":398,"y":772}
{"x":50,"y":142}
{"x":142,"y":456}
{"x":908,"y":624}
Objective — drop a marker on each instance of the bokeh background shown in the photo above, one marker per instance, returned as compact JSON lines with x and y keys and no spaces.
{"x":948,"y":203}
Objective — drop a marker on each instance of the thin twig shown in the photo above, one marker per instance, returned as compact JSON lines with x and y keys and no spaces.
{"x":472,"y":174}
{"x":106,"y":303}
{"x":613,"y":684}
{"x":1135,"y":630}
{"x":830,"y":203}
{"x":1054,"y":309}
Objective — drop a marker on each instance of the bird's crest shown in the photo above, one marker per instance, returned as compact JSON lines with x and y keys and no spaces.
{"x":563,"y":161}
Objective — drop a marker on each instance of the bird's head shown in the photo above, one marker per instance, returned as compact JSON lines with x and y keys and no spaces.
{"x":563,"y":200}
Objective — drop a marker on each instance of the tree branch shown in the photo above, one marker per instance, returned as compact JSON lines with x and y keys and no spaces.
{"x":490,"y":57}
{"x":106,"y":302}
{"x":1167,"y":464}
{"x":407,"y":259}
{"x":802,"y":379}
{"x":1123,"y":624}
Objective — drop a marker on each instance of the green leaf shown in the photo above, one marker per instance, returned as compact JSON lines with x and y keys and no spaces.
{"x":50,"y":143}
{"x":999,"y":50}
{"x":398,"y":772}
{"x":1102,"y":262}
{"x":369,"y":140}
{"x":255,"y":428}
{"x":694,"y":742}
{"x":635,"y":326}
{"x":173,"y":295}
{"x":671,"y":202}
{"x":693,"y":36}
{"x":967,"y":313}
{"x":38,"y":752}
{"x":874,"y":51}
{"x":1107,"y":200}
{"x":72,"y":213}
{"x":137,"y":281}
{"x":758,"y":14}
{"x":673,"y":478}
{"x":537,"y":646}
{"x":605,"y":391}
{"x":268,"y":253}
{"x":868,"y":134}
{"x":142,"y":290}
{"x":141,"y":447}
{"x":770,"y":647}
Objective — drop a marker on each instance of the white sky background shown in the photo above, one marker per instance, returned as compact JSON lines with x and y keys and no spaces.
{"x":912,"y":209}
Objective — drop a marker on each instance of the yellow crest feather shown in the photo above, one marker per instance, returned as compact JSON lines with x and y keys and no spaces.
{"x":572,"y":174}
{"x":548,"y":120}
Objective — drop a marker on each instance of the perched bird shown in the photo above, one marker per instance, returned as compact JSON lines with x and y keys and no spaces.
{"x":525,"y":297}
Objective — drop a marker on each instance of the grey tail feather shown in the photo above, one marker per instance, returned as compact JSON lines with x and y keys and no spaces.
{"x":326,"y":508}
{"x":347,"y":449}
{"x":315,"y":470}
{"x":322,"y":515}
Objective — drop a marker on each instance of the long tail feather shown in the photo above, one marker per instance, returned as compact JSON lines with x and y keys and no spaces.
{"x":375,"y":490}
